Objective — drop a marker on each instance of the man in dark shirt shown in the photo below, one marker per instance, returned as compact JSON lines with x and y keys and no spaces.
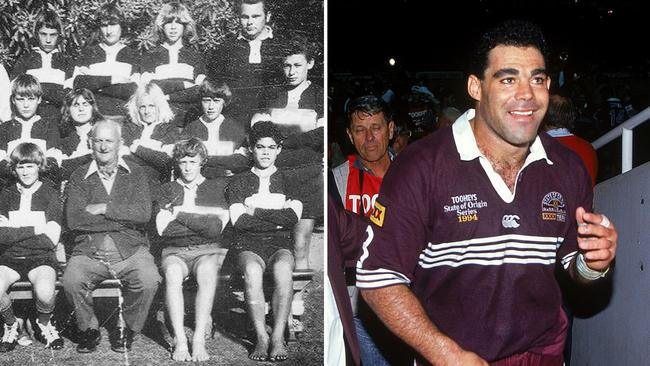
{"x":248,"y":62}
{"x":472,"y":220}
{"x":108,"y":203}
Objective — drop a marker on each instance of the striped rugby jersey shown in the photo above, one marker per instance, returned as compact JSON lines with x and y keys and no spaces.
{"x":480,"y":258}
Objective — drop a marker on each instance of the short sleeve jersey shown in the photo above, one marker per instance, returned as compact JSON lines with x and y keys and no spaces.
{"x":479,"y":257}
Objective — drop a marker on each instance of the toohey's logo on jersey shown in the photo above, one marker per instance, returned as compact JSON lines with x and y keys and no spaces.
{"x":365,"y":201}
{"x":553,"y":207}
{"x":465,"y":206}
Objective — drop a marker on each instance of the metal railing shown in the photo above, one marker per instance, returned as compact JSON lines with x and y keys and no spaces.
{"x":624,"y":130}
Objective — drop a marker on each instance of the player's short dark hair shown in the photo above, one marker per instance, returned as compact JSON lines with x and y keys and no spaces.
{"x":263,"y":129}
{"x":49,"y":19}
{"x":518,"y":33}
{"x":265,"y":4}
{"x":299,"y":45}
{"x":215,"y":89}
{"x":109,"y":13}
{"x":368,"y":105}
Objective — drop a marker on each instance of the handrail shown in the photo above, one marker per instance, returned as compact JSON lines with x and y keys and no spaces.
{"x":624,"y":130}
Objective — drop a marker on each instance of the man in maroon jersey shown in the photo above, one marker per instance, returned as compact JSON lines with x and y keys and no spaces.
{"x":471,"y":222}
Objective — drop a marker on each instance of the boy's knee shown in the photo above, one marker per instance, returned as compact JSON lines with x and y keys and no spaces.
{"x":253,"y":270}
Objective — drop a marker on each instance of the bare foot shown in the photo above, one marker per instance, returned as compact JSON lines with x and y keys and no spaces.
{"x":199,"y":353}
{"x":278,"y":351}
{"x":181,"y":353}
{"x":261,"y":349}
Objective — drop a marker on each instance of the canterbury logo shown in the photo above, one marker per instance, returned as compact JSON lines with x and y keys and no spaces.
{"x":510,"y":221}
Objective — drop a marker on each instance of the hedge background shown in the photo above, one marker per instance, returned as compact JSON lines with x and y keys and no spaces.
{"x":216,"y":20}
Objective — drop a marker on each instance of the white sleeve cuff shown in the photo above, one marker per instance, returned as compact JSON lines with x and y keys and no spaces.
{"x":587,"y":272}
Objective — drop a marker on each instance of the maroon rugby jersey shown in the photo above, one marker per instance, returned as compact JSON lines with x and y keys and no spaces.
{"x":480,"y":262}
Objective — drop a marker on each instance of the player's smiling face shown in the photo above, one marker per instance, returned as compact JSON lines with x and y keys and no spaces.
{"x":513,"y":94}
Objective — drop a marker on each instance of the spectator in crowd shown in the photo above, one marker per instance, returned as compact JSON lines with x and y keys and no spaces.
{"x":78,"y":114}
{"x":45,"y":61}
{"x":264,"y":215}
{"x":107,"y":66}
{"x":611,"y":112}
{"x":192,"y":213}
{"x":248,"y":62}
{"x":447,"y":117}
{"x":149,"y":132}
{"x":449,"y":223}
{"x":422,"y":110}
{"x":402,"y":135}
{"x":358,"y":180}
{"x":559,"y":121}
{"x":108,"y":203}
{"x":30,"y":227}
{"x":223,"y":137}
{"x":175,"y":64}
{"x":370,"y":129}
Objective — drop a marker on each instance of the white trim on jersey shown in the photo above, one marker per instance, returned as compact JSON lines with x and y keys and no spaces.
{"x":494,"y":250}
{"x":380,"y":278}
{"x":566,"y":260}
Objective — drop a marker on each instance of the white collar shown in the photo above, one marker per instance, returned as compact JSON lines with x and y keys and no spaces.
{"x":30,"y":191}
{"x":300,"y":87}
{"x":264,"y":173}
{"x":40,"y":51}
{"x":468,"y":148}
{"x":266,"y":33}
{"x":112,"y":49}
{"x":215,"y":122}
{"x":177,"y":46}
{"x":35,"y":118}
{"x":83,"y":129}
{"x":195,"y":183}
{"x":93,"y":168}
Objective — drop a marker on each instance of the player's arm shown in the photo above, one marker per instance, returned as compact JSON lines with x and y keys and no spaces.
{"x":403,"y":314}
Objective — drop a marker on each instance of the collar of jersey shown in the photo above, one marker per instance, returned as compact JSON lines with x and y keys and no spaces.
{"x":468,"y":150}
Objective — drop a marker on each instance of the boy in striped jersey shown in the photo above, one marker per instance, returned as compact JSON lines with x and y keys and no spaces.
{"x":45,"y":62}
{"x":472,"y":221}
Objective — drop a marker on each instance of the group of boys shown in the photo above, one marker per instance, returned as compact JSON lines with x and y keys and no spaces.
{"x":109,"y":203}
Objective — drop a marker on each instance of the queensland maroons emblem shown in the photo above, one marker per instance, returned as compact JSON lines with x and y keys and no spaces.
{"x":554,"y":207}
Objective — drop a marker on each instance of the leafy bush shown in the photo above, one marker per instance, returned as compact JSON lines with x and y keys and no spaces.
{"x":216,"y":20}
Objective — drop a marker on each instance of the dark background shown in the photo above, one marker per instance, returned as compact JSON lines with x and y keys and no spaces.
{"x":435,"y":35}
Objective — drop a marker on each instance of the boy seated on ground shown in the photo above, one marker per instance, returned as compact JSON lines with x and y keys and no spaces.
{"x":192,"y":214}
{"x":264,"y":217}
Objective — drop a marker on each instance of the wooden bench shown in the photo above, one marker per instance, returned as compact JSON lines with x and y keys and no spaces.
{"x":22,"y":290}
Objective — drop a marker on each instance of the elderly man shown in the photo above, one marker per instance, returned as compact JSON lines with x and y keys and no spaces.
{"x":370,"y":129}
{"x":472,"y":222}
{"x":107,"y":206}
